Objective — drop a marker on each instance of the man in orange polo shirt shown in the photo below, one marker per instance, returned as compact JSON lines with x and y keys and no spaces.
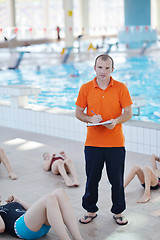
{"x":104,"y":99}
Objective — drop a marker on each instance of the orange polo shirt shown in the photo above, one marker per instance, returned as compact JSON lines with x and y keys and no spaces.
{"x":109,"y":104}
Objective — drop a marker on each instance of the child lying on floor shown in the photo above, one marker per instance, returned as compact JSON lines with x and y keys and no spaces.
{"x":52,"y":210}
{"x":149,"y":178}
{"x":60,"y":164}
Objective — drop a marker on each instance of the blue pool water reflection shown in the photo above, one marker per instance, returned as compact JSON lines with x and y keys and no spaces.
{"x":60,"y":84}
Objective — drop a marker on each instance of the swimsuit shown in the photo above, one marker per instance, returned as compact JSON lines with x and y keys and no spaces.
{"x":55,"y":159}
{"x":10,"y":212}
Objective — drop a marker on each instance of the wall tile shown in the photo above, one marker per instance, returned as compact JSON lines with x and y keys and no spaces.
{"x":133,"y":134}
{"x":137,"y":139}
{"x":153,"y":137}
{"x":127,"y":133}
{"x":140,"y":148}
{"x":146,"y":136}
{"x":140,"y":135}
{"x":147,"y":149}
{"x":158,"y":134}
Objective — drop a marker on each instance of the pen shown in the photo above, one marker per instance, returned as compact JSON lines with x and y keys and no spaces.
{"x":93,"y":112}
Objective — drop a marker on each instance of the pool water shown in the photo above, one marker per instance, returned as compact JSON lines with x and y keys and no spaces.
{"x":60,"y":84}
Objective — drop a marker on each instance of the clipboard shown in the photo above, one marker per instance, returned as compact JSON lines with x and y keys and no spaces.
{"x":98,"y":124}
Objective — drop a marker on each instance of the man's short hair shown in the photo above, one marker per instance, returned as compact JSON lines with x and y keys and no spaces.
{"x":104,"y":57}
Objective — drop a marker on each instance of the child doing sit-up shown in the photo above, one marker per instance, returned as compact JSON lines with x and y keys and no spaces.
{"x":149,"y":178}
{"x":52,"y":210}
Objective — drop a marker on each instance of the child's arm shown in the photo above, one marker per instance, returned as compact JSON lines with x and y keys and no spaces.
{"x":47,"y":161}
{"x":154,"y":158}
{"x":15,"y":199}
{"x":46,"y":165}
{"x":2,"y":225}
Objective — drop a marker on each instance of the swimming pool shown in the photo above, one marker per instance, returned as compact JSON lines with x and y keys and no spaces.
{"x":60,"y":83}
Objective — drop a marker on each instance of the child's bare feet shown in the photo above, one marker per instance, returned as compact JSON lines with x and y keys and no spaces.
{"x":76,"y":183}
{"x":13,"y":176}
{"x":145,"y":198}
{"x":63,"y":154}
{"x":69,"y":183}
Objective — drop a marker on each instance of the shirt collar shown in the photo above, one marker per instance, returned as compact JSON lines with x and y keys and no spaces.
{"x":96,"y":85}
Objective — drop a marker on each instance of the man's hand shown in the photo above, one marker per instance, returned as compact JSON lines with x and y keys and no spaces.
{"x":112,"y":124}
{"x":96,"y":119}
{"x":87,"y":118}
{"x":126,"y":115}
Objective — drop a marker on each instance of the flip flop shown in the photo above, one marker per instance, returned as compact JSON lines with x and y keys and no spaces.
{"x":86,"y":217}
{"x":121,"y":219}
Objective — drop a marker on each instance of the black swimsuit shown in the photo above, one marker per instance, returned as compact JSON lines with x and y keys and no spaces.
{"x":10,"y":212}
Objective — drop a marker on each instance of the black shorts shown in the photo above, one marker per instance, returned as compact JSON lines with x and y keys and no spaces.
{"x":151,"y":187}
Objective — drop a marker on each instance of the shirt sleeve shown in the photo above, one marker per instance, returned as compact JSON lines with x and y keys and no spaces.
{"x":125,"y":98}
{"x":82,"y":97}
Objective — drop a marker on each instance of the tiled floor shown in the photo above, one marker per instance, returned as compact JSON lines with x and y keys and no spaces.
{"x":25,"y":151}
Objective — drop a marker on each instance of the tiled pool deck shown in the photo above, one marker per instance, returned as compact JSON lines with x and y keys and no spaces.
{"x":25,"y":149}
